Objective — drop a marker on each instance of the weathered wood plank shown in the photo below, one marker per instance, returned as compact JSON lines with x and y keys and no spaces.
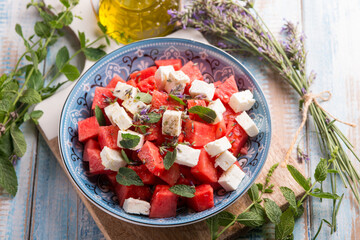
{"x":332,"y":40}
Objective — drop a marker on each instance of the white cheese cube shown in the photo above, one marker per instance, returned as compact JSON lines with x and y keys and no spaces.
{"x":225,"y":160}
{"x":231,"y":178}
{"x":176,"y":82}
{"x":124,"y":91}
{"x":218,"y":146}
{"x":118,"y":116}
{"x":171,"y":123}
{"x":120,"y":138}
{"x":207,"y":90}
{"x":247,"y":124}
{"x":218,"y":108}
{"x":162,"y":75}
{"x":186,"y":155}
{"x":133,"y":105}
{"x":241,"y":101}
{"x":136,"y":206}
{"x":111,"y":159}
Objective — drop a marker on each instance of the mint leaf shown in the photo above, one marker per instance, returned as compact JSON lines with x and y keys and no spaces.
{"x":299,"y":178}
{"x":272,"y":210}
{"x":213,"y":225}
{"x":62,"y":57}
{"x":286,"y":225}
{"x":6,"y":146}
{"x":70,"y":71}
{"x":128,"y":177}
{"x":169,"y":159}
{"x":289,"y":196}
{"x":4,"y":105}
{"x":94,"y":54}
{"x":225,"y":218}
{"x":65,"y":3}
{"x":100,"y":116}
{"x":30,"y":96}
{"x":183,"y":190}
{"x":8,"y":178}
{"x":36,"y":80}
{"x":326,"y":195}
{"x":177,"y":99}
{"x":18,"y":141}
{"x":321,"y":170}
{"x":102,"y":27}
{"x":206,"y":114}
{"x":144,"y":97}
{"x":260,"y":186}
{"x":42,"y":29}
{"x":153,"y":117}
{"x":250,"y":219}
{"x":66,"y":18}
{"x":82,"y":39}
{"x":18,"y":30}
{"x":125,"y":157}
{"x":257,"y":208}
{"x":129,"y":140}
{"x":253,"y":192}
{"x":35,"y":115}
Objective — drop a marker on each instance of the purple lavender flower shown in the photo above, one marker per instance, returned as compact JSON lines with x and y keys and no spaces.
{"x":303,"y":90}
{"x":222,"y":45}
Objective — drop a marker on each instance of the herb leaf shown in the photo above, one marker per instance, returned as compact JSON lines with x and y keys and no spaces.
{"x":62,"y":57}
{"x":128,"y":177}
{"x":153,"y":117}
{"x":258,"y":209}
{"x":273,"y":211}
{"x":253,"y":192}
{"x":129,"y":140}
{"x":177,"y":99}
{"x":42,"y":29}
{"x":169,"y":159}
{"x":8,"y":178}
{"x":100,"y":116}
{"x":225,"y":218}
{"x":94,"y":54}
{"x":18,"y":140}
{"x":286,"y":225}
{"x":324,"y":195}
{"x":206,"y":114}
{"x":289,"y":196}
{"x":250,"y":219}
{"x":213,"y":225}
{"x":35,"y":115}
{"x":183,"y":190}
{"x":144,"y":97}
{"x":30,"y":96}
{"x":36,"y":80}
{"x":299,"y":178}
{"x":70,"y":71}
{"x":125,"y":157}
{"x":321,"y":170}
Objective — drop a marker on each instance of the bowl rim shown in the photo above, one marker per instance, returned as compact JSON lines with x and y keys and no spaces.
{"x":170,"y":39}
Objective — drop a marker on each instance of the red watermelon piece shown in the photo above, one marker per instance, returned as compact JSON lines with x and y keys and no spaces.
{"x":191,"y":103}
{"x":92,"y":155}
{"x":176,"y":63}
{"x":143,"y":74}
{"x":237,"y":137}
{"x":114,"y":81}
{"x":163,"y":203}
{"x":101,"y":96}
{"x":198,"y":134}
{"x":137,"y":192}
{"x":132,"y":83}
{"x":108,"y":137}
{"x":193,"y":71}
{"x":205,"y":171}
{"x":88,"y":128}
{"x":146,"y":176}
{"x":229,"y":115}
{"x":162,"y":99}
{"x":226,"y":89}
{"x":150,"y":155}
{"x":220,"y":129}
{"x":186,"y":176}
{"x":172,"y":175}
{"x":154,"y":132}
{"x":203,"y":199}
{"x":147,"y":85}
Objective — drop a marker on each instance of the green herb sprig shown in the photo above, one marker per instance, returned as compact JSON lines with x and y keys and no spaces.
{"x":25,"y":86}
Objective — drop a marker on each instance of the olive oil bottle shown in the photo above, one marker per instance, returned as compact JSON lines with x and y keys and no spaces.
{"x":132,"y":20}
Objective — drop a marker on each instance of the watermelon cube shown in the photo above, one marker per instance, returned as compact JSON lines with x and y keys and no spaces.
{"x":88,"y":128}
{"x":193,"y":71}
{"x":150,"y":155}
{"x":103,"y":97}
{"x":114,"y":81}
{"x":146,"y":176}
{"x":217,"y":84}
{"x":147,"y":85}
{"x":220,"y":129}
{"x":229,"y":115}
{"x":186,"y":176}
{"x":237,"y":137}
{"x":143,"y":74}
{"x":172,"y":175}
{"x":92,"y":155}
{"x":132,"y":83}
{"x":163,"y":203}
{"x":226,"y":90}
{"x":162,"y":99}
{"x":154,"y":132}
{"x":108,"y":137}
{"x":205,"y":171}
{"x":204,"y":198}
{"x":191,"y":103}
{"x":176,"y":63}
{"x":137,"y":192}
{"x":199,"y":134}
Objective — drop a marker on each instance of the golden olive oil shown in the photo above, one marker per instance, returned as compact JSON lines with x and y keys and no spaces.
{"x":131,"y":20}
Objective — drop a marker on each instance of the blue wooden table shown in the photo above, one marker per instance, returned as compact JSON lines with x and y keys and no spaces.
{"x":47,"y":207}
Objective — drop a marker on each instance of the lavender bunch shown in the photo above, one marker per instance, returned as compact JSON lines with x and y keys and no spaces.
{"x":239,"y":28}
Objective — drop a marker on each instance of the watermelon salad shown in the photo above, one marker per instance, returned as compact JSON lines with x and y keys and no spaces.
{"x":166,"y":138}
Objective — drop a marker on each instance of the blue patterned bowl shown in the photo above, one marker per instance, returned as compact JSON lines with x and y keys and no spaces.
{"x":214,"y":64}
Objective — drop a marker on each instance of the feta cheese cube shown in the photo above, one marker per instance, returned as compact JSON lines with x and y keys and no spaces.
{"x":218,"y":108}
{"x":241,"y":101}
{"x":207,"y":90}
{"x":162,"y":75}
{"x":136,"y":206}
{"x":118,"y":116}
{"x":247,"y":124}
{"x":225,"y":160}
{"x":124,"y":91}
{"x":133,"y":105}
{"x":120,"y":138}
{"x":218,"y":146}
{"x":176,"y":82}
{"x":111,"y":159}
{"x":231,"y":178}
{"x":171,"y":123}
{"x":186,"y":155}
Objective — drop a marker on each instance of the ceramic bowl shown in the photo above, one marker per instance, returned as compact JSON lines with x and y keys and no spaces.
{"x":215,"y":65}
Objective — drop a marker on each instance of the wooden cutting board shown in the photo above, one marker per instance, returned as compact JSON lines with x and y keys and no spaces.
{"x":113,"y":228}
